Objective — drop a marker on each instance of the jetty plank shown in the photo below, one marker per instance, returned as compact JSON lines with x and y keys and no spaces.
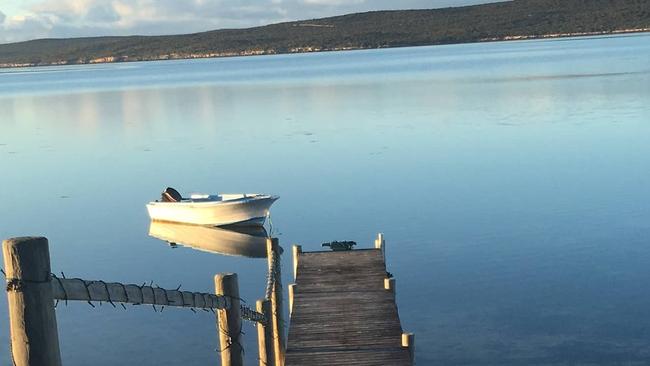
{"x":342,"y":314}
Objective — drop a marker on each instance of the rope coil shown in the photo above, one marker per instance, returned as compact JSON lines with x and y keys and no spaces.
{"x":273,"y":276}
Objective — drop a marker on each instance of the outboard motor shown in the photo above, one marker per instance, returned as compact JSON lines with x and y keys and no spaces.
{"x":171,"y":195}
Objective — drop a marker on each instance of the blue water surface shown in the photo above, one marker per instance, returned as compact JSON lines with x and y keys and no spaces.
{"x":511,"y":180}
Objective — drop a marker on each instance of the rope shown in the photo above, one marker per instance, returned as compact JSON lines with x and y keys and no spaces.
{"x":270,"y":281}
{"x":277,"y":270}
{"x":204,"y":301}
{"x":274,"y":281}
{"x":126,"y":294}
{"x":17,"y":284}
{"x":65,"y":293}
{"x":273,"y":277}
{"x":108,"y":293}
{"x":158,"y":297}
{"x":87,"y":290}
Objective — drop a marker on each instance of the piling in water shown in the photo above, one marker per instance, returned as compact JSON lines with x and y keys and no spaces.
{"x":32,"y":320}
{"x":229,"y":322}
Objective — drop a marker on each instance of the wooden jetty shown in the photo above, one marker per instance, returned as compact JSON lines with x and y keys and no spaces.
{"x":343,"y":310}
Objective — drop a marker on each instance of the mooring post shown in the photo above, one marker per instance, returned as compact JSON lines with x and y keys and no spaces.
{"x":229,"y":322}
{"x":273,"y":254}
{"x":389,"y":284}
{"x":297,"y":249}
{"x":408,"y":341}
{"x":32,"y":319}
{"x":380,"y":244}
{"x":265,"y":334}
{"x":292,"y":292}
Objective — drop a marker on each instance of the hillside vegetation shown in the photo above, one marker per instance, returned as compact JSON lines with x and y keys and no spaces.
{"x":497,"y":21}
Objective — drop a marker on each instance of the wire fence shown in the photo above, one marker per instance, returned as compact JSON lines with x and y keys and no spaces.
{"x":98,"y":291}
{"x":252,"y":315}
{"x":28,"y":278}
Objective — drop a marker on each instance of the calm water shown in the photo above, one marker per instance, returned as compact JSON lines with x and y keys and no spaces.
{"x":512,"y":182}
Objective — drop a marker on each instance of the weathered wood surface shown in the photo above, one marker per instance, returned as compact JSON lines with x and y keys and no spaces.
{"x":277,"y":320}
{"x":342,"y":314}
{"x":32,"y":320}
{"x":229,"y":320}
{"x":265,"y":335}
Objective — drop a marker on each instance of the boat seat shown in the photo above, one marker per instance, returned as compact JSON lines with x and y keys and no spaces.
{"x":171,"y":195}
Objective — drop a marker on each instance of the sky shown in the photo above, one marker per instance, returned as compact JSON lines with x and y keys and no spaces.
{"x":22,"y":20}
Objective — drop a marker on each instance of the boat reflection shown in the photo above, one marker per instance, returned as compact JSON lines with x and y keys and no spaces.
{"x":240,"y":241}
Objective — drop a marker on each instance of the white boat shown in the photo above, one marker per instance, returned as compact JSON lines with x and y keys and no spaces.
{"x":215,"y":210}
{"x":240,"y":241}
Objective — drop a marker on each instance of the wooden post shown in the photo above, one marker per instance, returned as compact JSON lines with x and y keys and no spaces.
{"x":292,"y":291}
{"x":265,"y":334}
{"x":297,"y":249}
{"x":408,"y":341}
{"x":32,"y":320}
{"x":380,"y":244}
{"x":229,"y":320}
{"x":389,"y":284}
{"x":276,"y":303}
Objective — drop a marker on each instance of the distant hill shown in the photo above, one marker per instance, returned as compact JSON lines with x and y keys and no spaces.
{"x":497,"y":21}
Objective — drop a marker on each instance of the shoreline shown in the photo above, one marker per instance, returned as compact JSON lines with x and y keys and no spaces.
{"x":309,"y":49}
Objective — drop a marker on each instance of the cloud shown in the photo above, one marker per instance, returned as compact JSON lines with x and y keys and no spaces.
{"x":102,"y":13}
{"x":16,"y":28}
{"x":76,"y":18}
{"x":333,"y":2}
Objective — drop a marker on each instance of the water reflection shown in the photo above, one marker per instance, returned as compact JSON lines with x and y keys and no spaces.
{"x":238,"y":241}
{"x":525,"y":191}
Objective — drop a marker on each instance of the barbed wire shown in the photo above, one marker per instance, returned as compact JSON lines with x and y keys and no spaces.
{"x":252,"y":315}
{"x":102,"y":292}
{"x":232,"y":340}
{"x":115,"y":292}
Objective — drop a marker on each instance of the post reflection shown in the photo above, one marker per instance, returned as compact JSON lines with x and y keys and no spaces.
{"x":246,"y":241}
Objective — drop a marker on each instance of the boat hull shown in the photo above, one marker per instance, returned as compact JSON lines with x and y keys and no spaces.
{"x":249,"y":212}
